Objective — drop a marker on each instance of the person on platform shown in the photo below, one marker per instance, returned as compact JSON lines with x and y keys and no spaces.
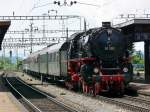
{"x":86,"y":73}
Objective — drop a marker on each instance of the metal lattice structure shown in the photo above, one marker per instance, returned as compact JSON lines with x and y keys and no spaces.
{"x":27,"y":36}
{"x":26,"y":42}
{"x":40,"y":31}
{"x":46,"y":17}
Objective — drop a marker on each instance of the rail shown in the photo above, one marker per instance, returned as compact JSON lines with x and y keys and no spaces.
{"x":37,"y":103}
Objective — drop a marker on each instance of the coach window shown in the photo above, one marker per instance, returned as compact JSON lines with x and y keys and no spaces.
{"x":43,"y":58}
{"x":32,"y":59}
{"x":49,"y":57}
{"x":54,"y":57}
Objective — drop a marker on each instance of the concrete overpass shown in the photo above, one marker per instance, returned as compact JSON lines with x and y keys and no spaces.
{"x":138,"y":30}
{"x":4,"y":25}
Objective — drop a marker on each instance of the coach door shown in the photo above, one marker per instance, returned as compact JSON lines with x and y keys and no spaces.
{"x":63,"y":63}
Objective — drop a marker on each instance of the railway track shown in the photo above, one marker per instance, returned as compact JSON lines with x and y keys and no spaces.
{"x":125,"y":105}
{"x":137,"y":99}
{"x":35,"y":99}
{"x":131,"y":103}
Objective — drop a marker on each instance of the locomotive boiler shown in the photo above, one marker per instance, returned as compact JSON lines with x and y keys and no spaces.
{"x":93,"y":61}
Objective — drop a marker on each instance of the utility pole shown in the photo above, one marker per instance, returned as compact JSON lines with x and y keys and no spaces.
{"x":67,"y":45}
{"x":44,"y":29}
{"x":22,"y":38}
{"x":23,"y":42}
{"x":63,"y":27}
{"x":10,"y":56}
{"x":31,"y":35}
{"x":44,"y":25}
{"x":24,"y":52}
{"x":17,"y":57}
{"x":67,"y":34}
{"x":4,"y":58}
{"x":85,"y":29}
{"x":80,"y":23}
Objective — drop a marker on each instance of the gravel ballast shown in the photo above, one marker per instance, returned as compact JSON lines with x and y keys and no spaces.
{"x":78,"y":101}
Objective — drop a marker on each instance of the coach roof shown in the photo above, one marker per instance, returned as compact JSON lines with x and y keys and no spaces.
{"x":54,"y":48}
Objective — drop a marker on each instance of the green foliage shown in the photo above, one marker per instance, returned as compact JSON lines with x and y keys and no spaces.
{"x":131,"y":47}
{"x":19,"y":64}
{"x":6,"y":64}
{"x":137,"y":58}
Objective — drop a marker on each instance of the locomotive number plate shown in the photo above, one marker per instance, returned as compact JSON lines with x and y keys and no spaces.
{"x":109,"y":48}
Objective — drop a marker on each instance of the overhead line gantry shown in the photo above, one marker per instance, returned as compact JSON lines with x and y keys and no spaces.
{"x":45,"y":17}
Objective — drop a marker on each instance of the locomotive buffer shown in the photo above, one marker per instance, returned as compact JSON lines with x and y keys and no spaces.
{"x":138,"y":30}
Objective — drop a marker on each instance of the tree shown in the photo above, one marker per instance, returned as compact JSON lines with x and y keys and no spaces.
{"x":6,"y":63}
{"x":137,"y":58}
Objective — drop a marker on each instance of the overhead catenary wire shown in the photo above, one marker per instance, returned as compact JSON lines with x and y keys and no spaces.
{"x":75,"y":2}
{"x":99,"y":6}
{"x":37,"y":2}
{"x":40,"y":6}
{"x":82,"y":3}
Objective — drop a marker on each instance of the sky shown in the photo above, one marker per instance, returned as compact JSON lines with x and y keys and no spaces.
{"x":105,"y":10}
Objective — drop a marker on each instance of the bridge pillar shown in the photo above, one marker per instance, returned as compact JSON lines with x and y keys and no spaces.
{"x":147,"y":61}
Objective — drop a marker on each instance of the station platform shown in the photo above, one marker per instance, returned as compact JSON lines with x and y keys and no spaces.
{"x":8,"y":103}
{"x":141,"y":88}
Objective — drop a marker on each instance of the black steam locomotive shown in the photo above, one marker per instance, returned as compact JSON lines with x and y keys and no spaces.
{"x":93,"y":61}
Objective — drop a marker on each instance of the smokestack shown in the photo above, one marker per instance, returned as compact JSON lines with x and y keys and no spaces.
{"x":106,"y":24}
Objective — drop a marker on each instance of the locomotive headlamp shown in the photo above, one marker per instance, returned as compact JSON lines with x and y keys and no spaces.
{"x":125,"y":69}
{"x":96,"y":70}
